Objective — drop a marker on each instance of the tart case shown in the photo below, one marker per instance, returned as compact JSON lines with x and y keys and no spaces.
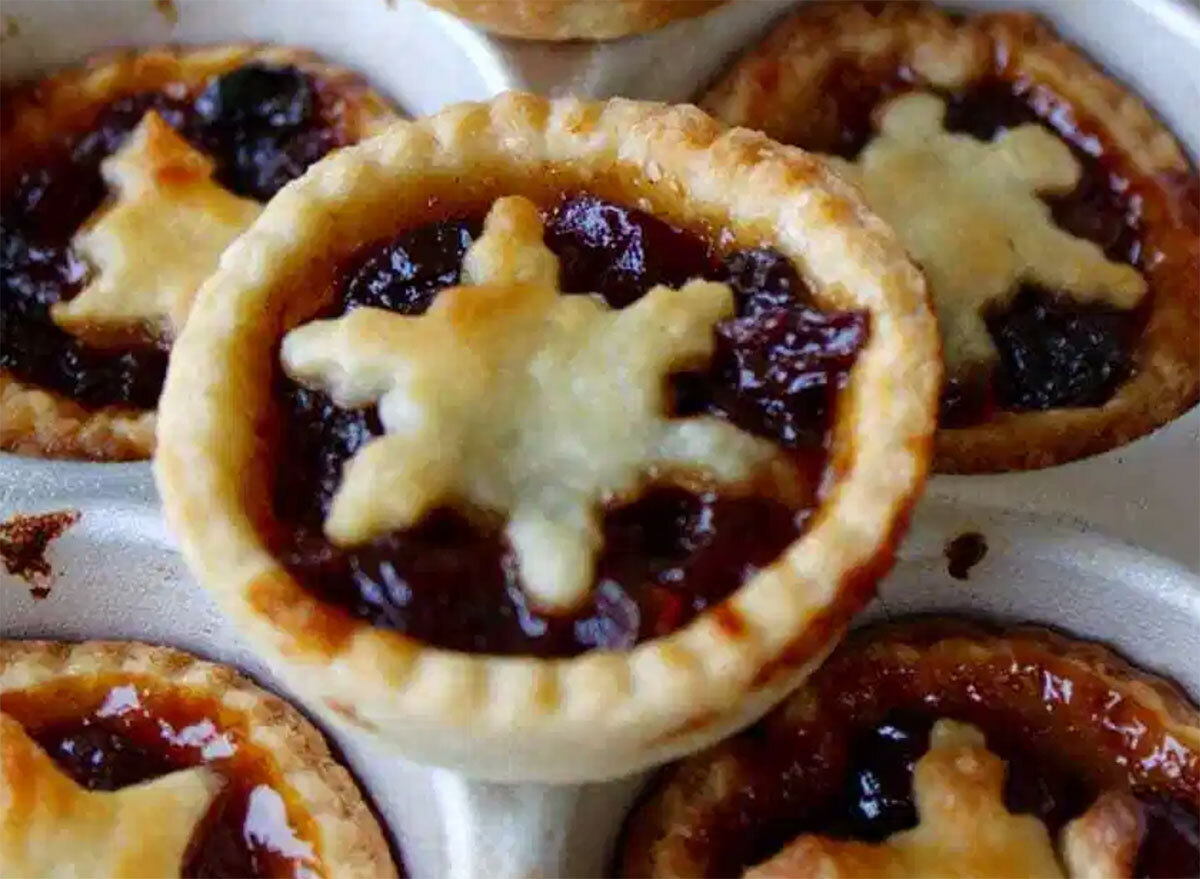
{"x":1105,"y":547}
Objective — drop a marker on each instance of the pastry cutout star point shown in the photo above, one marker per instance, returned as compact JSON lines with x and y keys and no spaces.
{"x":516,"y":399}
{"x":158,"y":240}
{"x":50,"y":825}
{"x":970,"y":213}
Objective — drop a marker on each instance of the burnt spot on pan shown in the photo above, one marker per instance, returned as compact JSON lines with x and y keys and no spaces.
{"x":24,"y":539}
{"x":963,"y":553}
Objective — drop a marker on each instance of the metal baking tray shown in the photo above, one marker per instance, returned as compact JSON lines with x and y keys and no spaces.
{"x":1107,"y":548}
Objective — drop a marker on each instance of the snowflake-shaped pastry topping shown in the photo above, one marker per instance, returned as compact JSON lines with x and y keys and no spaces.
{"x":513,"y":398}
{"x":969,"y":213}
{"x":157,"y":242}
{"x":965,"y":830}
{"x":49,"y":825}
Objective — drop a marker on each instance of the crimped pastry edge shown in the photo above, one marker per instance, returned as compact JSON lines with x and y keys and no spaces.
{"x":351,"y":841}
{"x":601,"y":714}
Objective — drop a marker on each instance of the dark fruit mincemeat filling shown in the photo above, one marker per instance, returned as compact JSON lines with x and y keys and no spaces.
{"x":452,"y":581}
{"x":1053,"y":352}
{"x":109,"y":734}
{"x":261,"y":125}
{"x":844,"y":767}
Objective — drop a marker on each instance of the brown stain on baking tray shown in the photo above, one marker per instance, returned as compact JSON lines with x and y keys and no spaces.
{"x":24,"y":539}
{"x":963,"y":553}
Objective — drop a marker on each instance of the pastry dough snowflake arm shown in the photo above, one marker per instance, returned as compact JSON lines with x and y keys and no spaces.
{"x":714,"y":449}
{"x":160,"y":238}
{"x":682,"y":319}
{"x":361,"y":358}
{"x":556,"y":544}
{"x":1103,"y":842}
{"x":389,"y":485}
{"x":1057,"y":259}
{"x":356,"y":359}
{"x":50,"y":826}
{"x":511,"y":249}
{"x":1060,"y":261}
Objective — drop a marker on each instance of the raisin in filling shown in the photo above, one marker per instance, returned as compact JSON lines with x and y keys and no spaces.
{"x":126,"y":734}
{"x":1053,"y":352}
{"x":452,"y":580}
{"x":846,"y":770}
{"x":262,"y":126}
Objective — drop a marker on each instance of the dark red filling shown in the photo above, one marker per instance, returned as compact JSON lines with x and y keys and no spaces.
{"x":262,"y":126}
{"x":130,"y":735}
{"x":452,"y":581}
{"x":1053,"y":352}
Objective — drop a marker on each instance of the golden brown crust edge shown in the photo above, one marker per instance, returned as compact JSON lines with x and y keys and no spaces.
{"x":655,"y":840}
{"x":351,"y":841}
{"x":40,"y":422}
{"x":573,"y":19}
{"x":45,"y":424}
{"x":600,"y":714}
{"x":767,"y":88}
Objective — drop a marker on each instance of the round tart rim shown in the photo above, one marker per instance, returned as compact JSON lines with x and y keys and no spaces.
{"x":1165,"y":382}
{"x":697,"y":782}
{"x":352,"y":840}
{"x":600,"y":714}
{"x":573,"y":19}
{"x":42,"y":422}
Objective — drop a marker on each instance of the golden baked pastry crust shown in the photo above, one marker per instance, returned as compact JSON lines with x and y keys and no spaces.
{"x":776,"y":88}
{"x":602,"y":713}
{"x":573,"y":19}
{"x":665,"y":834}
{"x":41,"y":422}
{"x":45,"y":424}
{"x":349,"y":839}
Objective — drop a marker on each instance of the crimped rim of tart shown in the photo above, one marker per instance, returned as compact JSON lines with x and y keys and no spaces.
{"x":770,"y":88}
{"x":351,"y":842}
{"x":574,"y":19}
{"x":43,"y":422}
{"x":599,"y":714}
{"x":664,"y":833}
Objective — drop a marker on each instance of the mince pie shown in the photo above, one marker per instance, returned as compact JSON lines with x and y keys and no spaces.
{"x":123,"y":759}
{"x":573,"y":19}
{"x":936,"y":747}
{"x":1055,"y":218}
{"x":122,"y":183}
{"x":549,"y":438}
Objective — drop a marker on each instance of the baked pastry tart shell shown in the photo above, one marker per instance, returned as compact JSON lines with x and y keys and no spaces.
{"x":45,"y":423}
{"x":776,"y":87}
{"x":601,"y":714}
{"x":339,"y":822}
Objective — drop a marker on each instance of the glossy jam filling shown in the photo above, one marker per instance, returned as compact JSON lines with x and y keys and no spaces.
{"x":108,"y":734}
{"x":1053,"y":352}
{"x":263,"y":126}
{"x":846,"y":770}
{"x":452,"y":581}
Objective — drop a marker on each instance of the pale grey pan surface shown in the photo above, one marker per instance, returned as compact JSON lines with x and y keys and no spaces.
{"x":1108,"y":547}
